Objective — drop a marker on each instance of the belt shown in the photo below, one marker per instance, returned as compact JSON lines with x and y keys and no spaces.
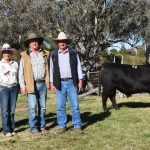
{"x":65,"y":79}
{"x":40,"y":81}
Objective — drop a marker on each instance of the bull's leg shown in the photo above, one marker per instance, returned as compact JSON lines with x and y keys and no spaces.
{"x":104,"y":101}
{"x":113,"y":99}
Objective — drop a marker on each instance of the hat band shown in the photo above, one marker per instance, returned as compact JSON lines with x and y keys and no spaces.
{"x":6,"y":48}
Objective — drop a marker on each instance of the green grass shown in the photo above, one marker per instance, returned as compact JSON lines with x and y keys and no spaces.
{"x":126,"y":129}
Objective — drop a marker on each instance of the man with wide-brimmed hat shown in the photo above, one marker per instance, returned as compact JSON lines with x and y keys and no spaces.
{"x":8,"y":89}
{"x":66,"y":77}
{"x":34,"y":80}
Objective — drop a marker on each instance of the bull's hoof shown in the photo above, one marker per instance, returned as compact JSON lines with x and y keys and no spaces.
{"x":106,"y":110}
{"x":116,"y":107}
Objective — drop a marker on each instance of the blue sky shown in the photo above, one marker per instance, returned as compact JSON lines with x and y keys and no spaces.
{"x":127,"y":46}
{"x":118,"y":46}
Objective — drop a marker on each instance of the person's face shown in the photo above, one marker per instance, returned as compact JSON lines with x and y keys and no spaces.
{"x":34,"y":44}
{"x":62,"y":44}
{"x":7,"y":55}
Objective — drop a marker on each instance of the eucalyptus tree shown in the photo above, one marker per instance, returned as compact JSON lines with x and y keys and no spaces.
{"x":93,"y":25}
{"x":147,"y":29}
{"x":96,"y":25}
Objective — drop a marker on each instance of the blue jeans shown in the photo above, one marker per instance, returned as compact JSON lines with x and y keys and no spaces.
{"x":68,"y":89}
{"x":38,"y":98}
{"x":8,"y":97}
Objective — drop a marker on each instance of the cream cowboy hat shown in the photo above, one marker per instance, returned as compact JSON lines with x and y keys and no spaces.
{"x":32,"y":36}
{"x":6,"y":48}
{"x":61,"y":37}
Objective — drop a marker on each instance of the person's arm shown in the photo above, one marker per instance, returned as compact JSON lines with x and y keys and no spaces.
{"x":80,"y":76}
{"x":52,"y":87}
{"x":21,"y":77}
{"x":147,"y":54}
{"x":1,"y":74}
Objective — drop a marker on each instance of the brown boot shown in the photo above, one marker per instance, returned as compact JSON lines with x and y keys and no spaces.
{"x":43,"y":131}
{"x":62,"y":130}
{"x":79,"y":130}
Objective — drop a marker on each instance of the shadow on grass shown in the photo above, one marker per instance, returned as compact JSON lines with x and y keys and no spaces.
{"x":134,"y":104}
{"x":21,"y":123}
{"x":89,"y":119}
{"x":51,"y":117}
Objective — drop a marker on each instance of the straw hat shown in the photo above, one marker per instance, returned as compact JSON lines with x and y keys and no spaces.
{"x":6,"y":48}
{"x":61,"y":37}
{"x":32,"y":36}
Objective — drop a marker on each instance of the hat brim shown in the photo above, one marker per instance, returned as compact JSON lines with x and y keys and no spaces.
{"x":7,"y":50}
{"x":59,"y":40}
{"x":40,"y":41}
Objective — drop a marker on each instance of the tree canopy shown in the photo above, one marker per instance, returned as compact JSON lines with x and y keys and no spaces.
{"x":93,"y":25}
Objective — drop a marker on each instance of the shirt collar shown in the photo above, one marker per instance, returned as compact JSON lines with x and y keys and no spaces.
{"x":65,"y":51}
{"x":40,"y":50}
{"x":3,"y":61}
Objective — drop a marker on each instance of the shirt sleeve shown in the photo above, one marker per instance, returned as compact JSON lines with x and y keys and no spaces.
{"x":80,"y":76}
{"x":17,"y":72}
{"x":21,"y":74}
{"x":51,"y":70}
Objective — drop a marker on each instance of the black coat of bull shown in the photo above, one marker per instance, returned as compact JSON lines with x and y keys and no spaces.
{"x":128,"y":79}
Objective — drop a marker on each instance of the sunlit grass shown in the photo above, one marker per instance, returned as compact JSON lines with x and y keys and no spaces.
{"x":126,"y":129}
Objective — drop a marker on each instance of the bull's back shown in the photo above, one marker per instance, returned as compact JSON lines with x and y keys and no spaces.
{"x":126,"y":78}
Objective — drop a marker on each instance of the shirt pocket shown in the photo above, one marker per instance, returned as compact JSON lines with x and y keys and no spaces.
{"x":14,"y":70}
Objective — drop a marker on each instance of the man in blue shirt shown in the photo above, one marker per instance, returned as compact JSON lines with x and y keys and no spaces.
{"x":66,"y":77}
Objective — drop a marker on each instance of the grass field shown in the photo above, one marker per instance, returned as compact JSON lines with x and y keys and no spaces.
{"x":126,"y":129}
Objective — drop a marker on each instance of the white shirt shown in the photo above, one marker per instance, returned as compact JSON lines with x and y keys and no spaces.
{"x":8,"y":73}
{"x":64,"y":66}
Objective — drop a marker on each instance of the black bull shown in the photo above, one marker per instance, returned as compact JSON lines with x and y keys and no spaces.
{"x":128,"y":79}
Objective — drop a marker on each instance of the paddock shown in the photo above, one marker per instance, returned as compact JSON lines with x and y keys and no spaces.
{"x":127,"y":128}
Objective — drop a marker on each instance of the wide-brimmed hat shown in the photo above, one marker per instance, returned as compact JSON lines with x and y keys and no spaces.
{"x":61,"y":37}
{"x":6,"y":48}
{"x":32,"y":36}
